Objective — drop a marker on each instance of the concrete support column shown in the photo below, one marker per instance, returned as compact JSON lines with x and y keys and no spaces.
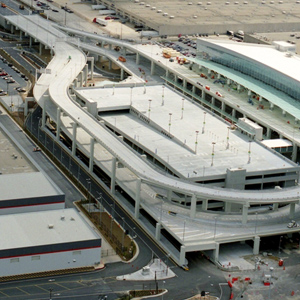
{"x":21,"y":35}
{"x":275,"y":206}
{"x":184,"y":83}
{"x":167,"y":73}
{"x":208,"y":71}
{"x":245,"y":214}
{"x":295,"y":150}
{"x":228,"y":81}
{"x":12,"y":28}
{"x":239,"y":88}
{"x":92,"y":147}
{"x":249,"y":93}
{"x":81,"y":79}
{"x":137,"y":198}
{"x":40,"y":48}
{"x":284,"y":113}
{"x":227,"y":207}
{"x":44,"y":115}
{"x":219,"y":76}
{"x":137,"y":59}
{"x":271,"y":106}
{"x":158,"y":231}
{"x":86,"y":72}
{"x":30,"y":41}
{"x":92,"y":67}
{"x":123,"y":51}
{"x":216,"y":252}
{"x":122,"y":74}
{"x":175,"y":78}
{"x":193,"y":89}
{"x":260,"y":98}
{"x":113,"y":176}
{"x":152,"y":67}
{"x":204,"y":204}
{"x":292,"y":210}
{"x":203,"y":94}
{"x":182,"y":256}
{"x":169,"y":195}
{"x":256,"y":245}
{"x":233,"y":113}
{"x":213,"y":101}
{"x":223,"y":106}
{"x":193,"y":206}
{"x":269,"y":132}
{"x":58,"y":123}
{"x":110,"y":46}
{"x":74,"y":138}
{"x":109,"y":64}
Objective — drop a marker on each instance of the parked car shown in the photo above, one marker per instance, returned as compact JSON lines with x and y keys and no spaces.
{"x":293,"y":224}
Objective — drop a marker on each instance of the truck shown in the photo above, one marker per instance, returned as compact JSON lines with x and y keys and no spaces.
{"x":106,"y":12}
{"x":149,"y":33}
{"x":100,"y":21}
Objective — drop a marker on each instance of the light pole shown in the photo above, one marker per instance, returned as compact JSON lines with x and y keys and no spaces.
{"x":131,"y":95}
{"x":111,"y":222}
{"x":89,"y":192}
{"x":227,"y":145}
{"x":255,"y":221}
{"x":163,"y":96}
{"x":182,"y":108}
{"x":149,"y":108}
{"x":123,"y":237}
{"x":50,"y":293}
{"x":66,"y":14}
{"x":280,"y":239}
{"x":213,"y":153}
{"x":183,"y":234}
{"x":249,"y":153}
{"x":196,"y":143}
{"x":170,"y":119}
{"x":203,"y":127}
{"x":162,"y":296}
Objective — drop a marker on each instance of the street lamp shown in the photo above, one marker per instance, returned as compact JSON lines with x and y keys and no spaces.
{"x":280,"y":240}
{"x":203,"y":127}
{"x":66,"y":14}
{"x":89,"y":192}
{"x":249,"y":153}
{"x":163,"y":96}
{"x":123,"y":237}
{"x":213,"y":153}
{"x":182,"y":108}
{"x":227,"y":146}
{"x":170,"y":119}
{"x":111,"y":222}
{"x":149,"y":108}
{"x":196,"y":143}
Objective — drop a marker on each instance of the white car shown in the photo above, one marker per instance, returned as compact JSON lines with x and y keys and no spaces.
{"x":293,"y":224}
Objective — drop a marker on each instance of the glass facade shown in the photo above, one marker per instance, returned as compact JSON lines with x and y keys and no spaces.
{"x":238,"y":62}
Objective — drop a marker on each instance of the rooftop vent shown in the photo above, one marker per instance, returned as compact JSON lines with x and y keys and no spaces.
{"x":280,"y":2}
{"x":153,"y":8}
{"x":136,"y":1}
{"x":50,"y":226}
{"x":245,"y":2}
{"x":236,"y":2}
{"x":172,"y":17}
{"x":227,"y":3}
{"x":62,"y":217}
{"x":147,"y":5}
{"x":199,"y":3}
{"x":159,"y":11}
{"x":195,"y":17}
{"x":190,"y":3}
{"x":208,"y":3}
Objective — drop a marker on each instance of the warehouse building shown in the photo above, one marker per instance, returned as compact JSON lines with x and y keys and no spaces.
{"x":46,"y":241}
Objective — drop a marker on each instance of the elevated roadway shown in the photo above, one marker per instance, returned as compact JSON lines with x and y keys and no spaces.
{"x":52,"y":94}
